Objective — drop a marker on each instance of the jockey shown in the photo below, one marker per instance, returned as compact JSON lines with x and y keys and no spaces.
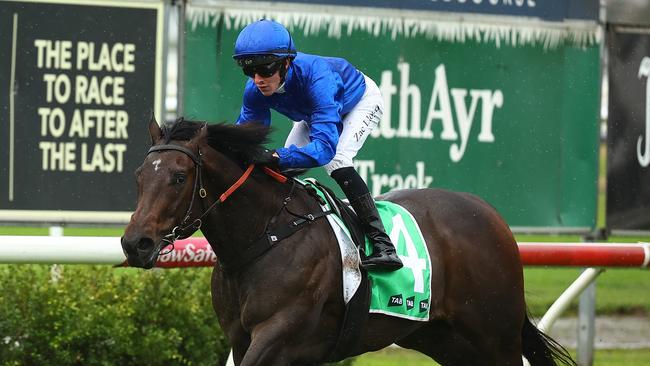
{"x":334,"y":108}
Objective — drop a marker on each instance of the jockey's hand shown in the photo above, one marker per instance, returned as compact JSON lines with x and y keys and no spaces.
{"x":264,"y":156}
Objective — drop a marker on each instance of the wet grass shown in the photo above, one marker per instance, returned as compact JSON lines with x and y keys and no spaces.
{"x":618,"y":291}
{"x":69,"y":231}
{"x":393,"y":356}
{"x":622,"y":357}
{"x":398,"y":357}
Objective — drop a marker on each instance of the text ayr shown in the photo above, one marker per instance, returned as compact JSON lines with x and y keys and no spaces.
{"x":444,"y":104}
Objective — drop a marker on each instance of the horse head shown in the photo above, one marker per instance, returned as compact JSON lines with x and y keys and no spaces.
{"x":172,"y":197}
{"x":167,"y":192}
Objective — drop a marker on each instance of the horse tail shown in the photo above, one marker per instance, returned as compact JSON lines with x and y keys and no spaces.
{"x":542,"y":350}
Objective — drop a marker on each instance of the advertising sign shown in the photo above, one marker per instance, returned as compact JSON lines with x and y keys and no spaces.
{"x":628,"y":130}
{"x":509,"y":118}
{"x":78,"y":84}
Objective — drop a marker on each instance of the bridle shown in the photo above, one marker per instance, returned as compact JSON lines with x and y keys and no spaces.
{"x":181,"y":230}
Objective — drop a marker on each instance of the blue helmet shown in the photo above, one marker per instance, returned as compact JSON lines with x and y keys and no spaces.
{"x":263,"y":41}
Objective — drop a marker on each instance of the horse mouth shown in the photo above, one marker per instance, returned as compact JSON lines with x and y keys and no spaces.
{"x":145,"y":254}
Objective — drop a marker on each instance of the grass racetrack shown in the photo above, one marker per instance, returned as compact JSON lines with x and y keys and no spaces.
{"x":403,"y":357}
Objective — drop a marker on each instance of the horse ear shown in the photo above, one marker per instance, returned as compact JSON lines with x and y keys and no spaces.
{"x":202,"y":135}
{"x":154,"y":130}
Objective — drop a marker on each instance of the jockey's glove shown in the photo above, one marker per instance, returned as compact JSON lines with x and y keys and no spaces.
{"x":264,"y":156}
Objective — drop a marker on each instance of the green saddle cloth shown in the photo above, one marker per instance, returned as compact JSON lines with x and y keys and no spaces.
{"x":406,"y":292}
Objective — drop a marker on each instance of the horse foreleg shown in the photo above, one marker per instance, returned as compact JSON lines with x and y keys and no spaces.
{"x":293,"y":336}
{"x":240,"y":344}
{"x":269,"y":345}
{"x":266,"y":351}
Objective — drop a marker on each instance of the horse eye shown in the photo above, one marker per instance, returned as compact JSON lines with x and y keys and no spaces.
{"x":179,"y":178}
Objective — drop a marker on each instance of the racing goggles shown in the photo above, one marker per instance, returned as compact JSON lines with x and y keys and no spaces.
{"x":263,"y":70}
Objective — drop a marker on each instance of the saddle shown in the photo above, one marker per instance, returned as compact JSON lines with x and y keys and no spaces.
{"x":344,"y":212}
{"x":356,"y":310}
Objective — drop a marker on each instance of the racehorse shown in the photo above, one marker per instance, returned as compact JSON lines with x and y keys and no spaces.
{"x":283,"y":305}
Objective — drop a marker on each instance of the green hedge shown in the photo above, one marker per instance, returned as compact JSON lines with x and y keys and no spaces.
{"x":98,"y":315}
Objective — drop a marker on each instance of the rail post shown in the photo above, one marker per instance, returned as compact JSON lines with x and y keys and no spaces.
{"x":586,"y":331}
{"x":563,"y":302}
{"x":587,"y":325}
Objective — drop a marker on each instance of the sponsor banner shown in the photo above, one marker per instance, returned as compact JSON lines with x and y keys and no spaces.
{"x":78,"y":83}
{"x":513,"y":122}
{"x":628,"y":130}
{"x":192,"y":252}
{"x":555,"y":10}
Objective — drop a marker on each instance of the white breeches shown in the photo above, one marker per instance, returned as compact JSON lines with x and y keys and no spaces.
{"x":357,"y":125}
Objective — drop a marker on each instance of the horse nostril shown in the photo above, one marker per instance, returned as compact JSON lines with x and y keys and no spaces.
{"x":128,"y":246}
{"x":145,"y":245}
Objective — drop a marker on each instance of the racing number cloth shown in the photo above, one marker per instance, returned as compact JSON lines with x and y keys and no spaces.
{"x":405,"y":293}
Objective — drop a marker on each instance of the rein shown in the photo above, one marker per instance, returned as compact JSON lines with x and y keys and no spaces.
{"x":260,"y":246}
{"x":178,"y":232}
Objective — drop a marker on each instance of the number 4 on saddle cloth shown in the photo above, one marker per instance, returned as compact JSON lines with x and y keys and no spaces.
{"x":404,"y":293}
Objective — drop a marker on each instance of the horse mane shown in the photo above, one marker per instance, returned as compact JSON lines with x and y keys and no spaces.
{"x":234,"y":141}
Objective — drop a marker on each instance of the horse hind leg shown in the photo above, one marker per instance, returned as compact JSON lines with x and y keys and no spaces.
{"x":443,"y":344}
{"x":451,"y":347}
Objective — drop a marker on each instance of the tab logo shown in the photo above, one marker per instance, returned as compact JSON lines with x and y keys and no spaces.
{"x":410,"y":303}
{"x":424,"y":305}
{"x":396,"y":300}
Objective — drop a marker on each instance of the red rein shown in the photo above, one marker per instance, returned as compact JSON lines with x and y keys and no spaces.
{"x":274,"y":174}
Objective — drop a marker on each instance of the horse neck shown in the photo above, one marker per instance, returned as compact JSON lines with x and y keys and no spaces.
{"x":242,"y":218}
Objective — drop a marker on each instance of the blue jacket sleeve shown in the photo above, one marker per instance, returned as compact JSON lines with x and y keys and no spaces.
{"x":320,"y":151}
{"x":325,"y":92}
{"x":254,"y":108}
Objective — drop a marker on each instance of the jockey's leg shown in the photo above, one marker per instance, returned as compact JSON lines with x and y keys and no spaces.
{"x":358,"y":124}
{"x":383,"y":251}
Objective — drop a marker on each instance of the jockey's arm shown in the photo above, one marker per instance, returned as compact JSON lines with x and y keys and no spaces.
{"x":324,"y":138}
{"x":324,"y":123}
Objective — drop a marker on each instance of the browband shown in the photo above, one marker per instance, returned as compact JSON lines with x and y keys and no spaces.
{"x":182,"y":149}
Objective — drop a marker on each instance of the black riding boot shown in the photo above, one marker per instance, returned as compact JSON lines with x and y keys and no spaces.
{"x":383,"y":251}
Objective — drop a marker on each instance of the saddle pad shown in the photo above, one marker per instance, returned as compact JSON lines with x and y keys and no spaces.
{"x":405,"y":293}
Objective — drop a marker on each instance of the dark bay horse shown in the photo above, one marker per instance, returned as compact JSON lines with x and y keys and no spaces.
{"x":284,"y":306}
